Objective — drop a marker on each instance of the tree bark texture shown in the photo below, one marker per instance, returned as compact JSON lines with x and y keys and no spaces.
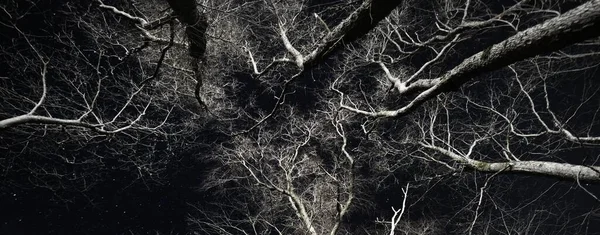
{"x":574,"y":26}
{"x":196,"y":25}
{"x":359,"y":23}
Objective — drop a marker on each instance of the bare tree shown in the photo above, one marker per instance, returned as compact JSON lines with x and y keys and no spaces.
{"x":322,"y":108}
{"x":84,"y":107}
{"x":292,"y":185}
{"x":420,"y":52}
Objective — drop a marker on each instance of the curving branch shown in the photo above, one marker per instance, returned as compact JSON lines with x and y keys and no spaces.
{"x":561,"y":170}
{"x":142,"y":24}
{"x":578,"y":24}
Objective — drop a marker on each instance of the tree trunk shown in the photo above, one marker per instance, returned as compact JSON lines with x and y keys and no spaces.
{"x":359,"y":23}
{"x":196,"y":24}
{"x":195,"y":30}
{"x":574,"y":26}
{"x":556,"y":169}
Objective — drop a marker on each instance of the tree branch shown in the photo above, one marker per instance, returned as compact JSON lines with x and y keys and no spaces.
{"x":561,"y":170}
{"x":576,"y":25}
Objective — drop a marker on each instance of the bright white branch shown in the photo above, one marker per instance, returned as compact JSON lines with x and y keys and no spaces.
{"x":576,"y":25}
{"x":142,"y":22}
{"x":562,"y":170}
{"x":396,"y":218}
{"x":288,"y":45}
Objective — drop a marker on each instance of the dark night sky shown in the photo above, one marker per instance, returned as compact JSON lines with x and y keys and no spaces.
{"x":118,"y":203}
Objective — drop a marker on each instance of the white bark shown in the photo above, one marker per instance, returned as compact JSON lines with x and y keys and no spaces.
{"x":28,"y":118}
{"x":576,"y":25}
{"x":361,"y":21}
{"x":561,"y":170}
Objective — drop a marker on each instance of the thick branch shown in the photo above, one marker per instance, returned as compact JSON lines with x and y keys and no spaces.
{"x":562,"y":170}
{"x":576,"y":25}
{"x":301,"y":212}
{"x":196,"y":25}
{"x":356,"y":25}
{"x":36,"y":119}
